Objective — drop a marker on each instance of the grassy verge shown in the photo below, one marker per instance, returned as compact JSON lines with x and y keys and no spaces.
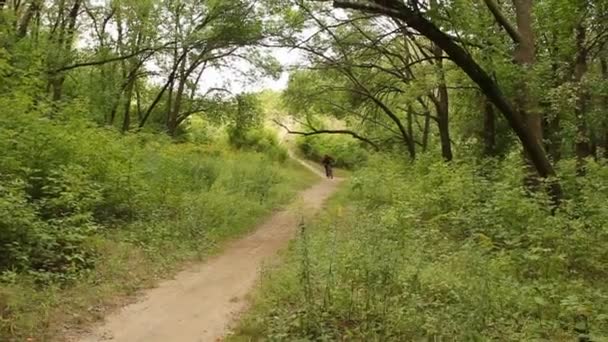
{"x":280,"y":287}
{"x":135,"y":255}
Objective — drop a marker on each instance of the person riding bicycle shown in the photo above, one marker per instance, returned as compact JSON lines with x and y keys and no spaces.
{"x":327,"y":162}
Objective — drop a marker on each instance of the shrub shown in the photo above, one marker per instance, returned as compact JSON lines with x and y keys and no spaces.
{"x":62,"y":182}
{"x":259,"y":140}
{"x":88,"y":214}
{"x":445,"y":251}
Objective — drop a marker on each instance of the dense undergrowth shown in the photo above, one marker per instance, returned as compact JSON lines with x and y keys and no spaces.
{"x":435,"y":251}
{"x":88,"y":215}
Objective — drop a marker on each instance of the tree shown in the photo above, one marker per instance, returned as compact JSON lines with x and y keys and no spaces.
{"x":413,"y":15}
{"x":379,"y":79}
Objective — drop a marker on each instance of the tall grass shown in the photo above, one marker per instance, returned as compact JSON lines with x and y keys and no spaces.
{"x":432,"y":251}
{"x":88,"y":216}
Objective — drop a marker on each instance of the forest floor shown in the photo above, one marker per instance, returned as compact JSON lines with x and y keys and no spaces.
{"x":201,"y":302}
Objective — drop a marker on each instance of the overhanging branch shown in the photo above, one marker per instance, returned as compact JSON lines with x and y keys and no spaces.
{"x":109,"y":60}
{"x":314,"y":131}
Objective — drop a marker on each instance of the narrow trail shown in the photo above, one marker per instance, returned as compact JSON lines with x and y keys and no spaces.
{"x":200,"y":303}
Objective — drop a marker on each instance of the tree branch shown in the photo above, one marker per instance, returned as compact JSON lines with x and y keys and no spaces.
{"x":109,"y":60}
{"x":503,"y":21}
{"x":329,"y":131}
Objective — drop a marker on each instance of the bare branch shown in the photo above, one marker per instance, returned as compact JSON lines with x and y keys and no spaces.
{"x":329,"y":131}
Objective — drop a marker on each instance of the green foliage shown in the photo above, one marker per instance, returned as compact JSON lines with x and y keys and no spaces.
{"x":437,"y":251}
{"x":346,"y":152}
{"x":246,"y":114}
{"x":428,"y":250}
{"x":69,"y":189}
{"x":58,"y":188}
{"x":259,"y":140}
{"x":198,"y":130}
{"x":246,"y":130}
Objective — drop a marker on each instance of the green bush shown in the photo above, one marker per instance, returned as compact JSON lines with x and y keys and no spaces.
{"x":446,"y":252}
{"x":87,"y":213}
{"x":346,"y":152}
{"x":48,"y":249}
{"x":259,"y":140}
{"x":64,"y":181}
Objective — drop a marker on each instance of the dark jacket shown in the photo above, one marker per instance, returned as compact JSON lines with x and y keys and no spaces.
{"x":327,"y":160}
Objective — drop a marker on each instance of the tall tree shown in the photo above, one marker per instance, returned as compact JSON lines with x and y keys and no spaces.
{"x":413,"y":15}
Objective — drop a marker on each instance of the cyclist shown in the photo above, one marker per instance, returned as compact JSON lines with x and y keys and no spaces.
{"x":327,"y":162}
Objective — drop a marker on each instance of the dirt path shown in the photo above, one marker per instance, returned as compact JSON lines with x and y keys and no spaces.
{"x":201,"y":302}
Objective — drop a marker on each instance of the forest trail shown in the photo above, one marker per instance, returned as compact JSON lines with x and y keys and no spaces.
{"x":200,"y":303}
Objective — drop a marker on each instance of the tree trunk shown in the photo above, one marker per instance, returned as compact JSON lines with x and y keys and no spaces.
{"x":57,"y":87}
{"x":64,"y":43}
{"x":410,"y":122}
{"x":169,"y":108}
{"x":156,"y":101}
{"x":583,"y":145}
{"x":606,"y":141}
{"x":552,"y":132}
{"x":138,"y":99}
{"x":168,"y":85}
{"x":551,"y":122}
{"x":593,"y":145}
{"x":443,"y":123}
{"x":173,"y":120}
{"x":114,"y":109}
{"x":604,"y":70}
{"x":442,"y":104}
{"x":443,"y":108}
{"x":478,"y":75}
{"x":126,"y":122}
{"x":426,"y":131}
{"x":489,"y":129}
{"x":126,"y":87}
{"x":24,"y":23}
{"x":525,"y":55}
